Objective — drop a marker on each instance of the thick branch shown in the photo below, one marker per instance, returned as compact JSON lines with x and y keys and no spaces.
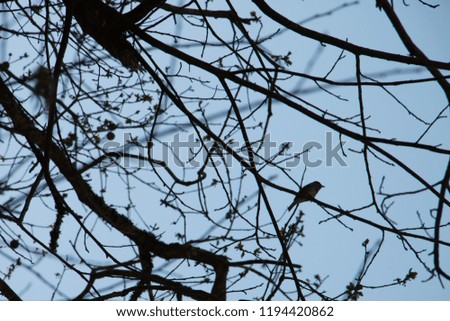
{"x":142,"y":10}
{"x":7,"y":292}
{"x":412,"y":48}
{"x":107,"y":27}
{"x":358,"y":50}
{"x":24,"y":126}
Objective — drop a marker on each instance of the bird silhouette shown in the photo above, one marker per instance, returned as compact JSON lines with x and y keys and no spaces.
{"x":306,"y":193}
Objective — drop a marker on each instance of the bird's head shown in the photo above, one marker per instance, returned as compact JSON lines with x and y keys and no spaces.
{"x":316,"y":185}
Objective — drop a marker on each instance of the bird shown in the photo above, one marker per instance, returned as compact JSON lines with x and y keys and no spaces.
{"x":306,"y":193}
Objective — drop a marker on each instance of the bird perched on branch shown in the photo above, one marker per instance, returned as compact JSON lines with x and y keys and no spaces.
{"x":108,"y":27}
{"x":306,"y":193}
